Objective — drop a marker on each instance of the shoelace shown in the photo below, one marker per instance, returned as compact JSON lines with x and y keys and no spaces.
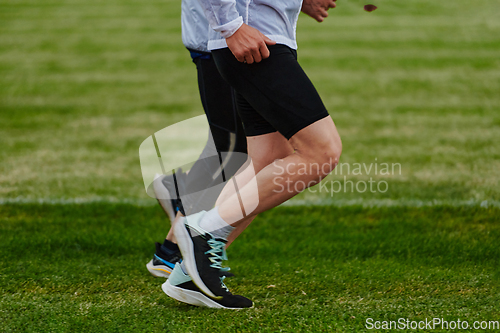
{"x":217,"y":252}
{"x":222,"y":284}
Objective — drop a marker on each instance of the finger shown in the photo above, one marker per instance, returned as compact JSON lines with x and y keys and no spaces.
{"x":264,"y":51}
{"x":269,"y":41}
{"x":332,"y":4}
{"x":248,"y":59}
{"x":239,"y":57}
{"x":256,"y":55}
{"x":318,"y":18}
{"x":323,"y":13}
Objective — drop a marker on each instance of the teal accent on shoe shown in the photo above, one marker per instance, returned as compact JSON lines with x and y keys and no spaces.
{"x":177,"y":277}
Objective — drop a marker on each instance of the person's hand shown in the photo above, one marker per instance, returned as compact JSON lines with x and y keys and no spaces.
{"x":317,"y":9}
{"x":249,"y":44}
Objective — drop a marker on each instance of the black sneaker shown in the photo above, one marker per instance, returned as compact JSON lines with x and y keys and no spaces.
{"x":167,"y":191}
{"x":202,"y":254}
{"x":162,"y":265}
{"x":180,"y":286}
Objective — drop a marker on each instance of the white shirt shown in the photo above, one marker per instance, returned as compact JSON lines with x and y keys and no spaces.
{"x":195,"y":26}
{"x":277,"y":19}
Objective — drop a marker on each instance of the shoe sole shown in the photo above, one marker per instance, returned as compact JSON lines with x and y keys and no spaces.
{"x":192,"y":297}
{"x":165,"y":201}
{"x":187,"y":250}
{"x":163,"y":272}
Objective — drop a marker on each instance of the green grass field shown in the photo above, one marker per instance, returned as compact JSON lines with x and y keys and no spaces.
{"x":83,"y":83}
{"x":81,"y":268}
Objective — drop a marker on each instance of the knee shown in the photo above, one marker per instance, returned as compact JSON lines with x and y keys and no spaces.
{"x":326,"y":155}
{"x":330,"y":160}
{"x":334,"y":150}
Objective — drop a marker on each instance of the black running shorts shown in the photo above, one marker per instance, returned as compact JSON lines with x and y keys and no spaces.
{"x":272,"y":95}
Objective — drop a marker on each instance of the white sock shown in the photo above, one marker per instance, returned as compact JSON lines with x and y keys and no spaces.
{"x":214,"y":224}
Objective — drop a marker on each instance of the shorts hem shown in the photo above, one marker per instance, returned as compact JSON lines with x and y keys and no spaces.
{"x":289,"y":134}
